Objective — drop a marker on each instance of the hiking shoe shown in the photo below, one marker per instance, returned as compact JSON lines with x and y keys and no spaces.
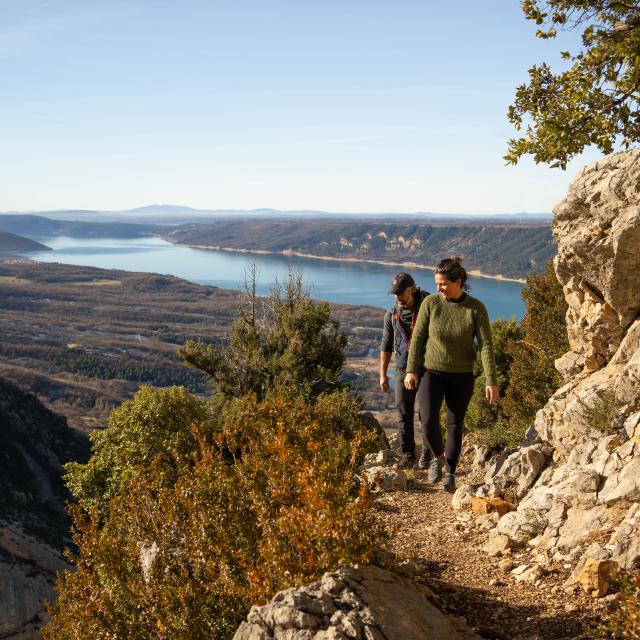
{"x":449,"y":483}
{"x":425,"y":459}
{"x":407,"y":461}
{"x":435,"y":471}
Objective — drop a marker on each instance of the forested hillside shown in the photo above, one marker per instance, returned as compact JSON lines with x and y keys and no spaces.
{"x":40,"y":227}
{"x":36,"y":442}
{"x":14,"y":242}
{"x":512,"y":251}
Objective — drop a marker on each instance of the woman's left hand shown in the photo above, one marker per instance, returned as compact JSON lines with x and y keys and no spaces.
{"x":491,"y":393}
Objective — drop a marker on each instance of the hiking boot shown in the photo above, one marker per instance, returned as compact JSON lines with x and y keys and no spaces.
{"x":407,"y":461}
{"x":434,"y":472}
{"x":449,"y":483}
{"x":425,"y":459}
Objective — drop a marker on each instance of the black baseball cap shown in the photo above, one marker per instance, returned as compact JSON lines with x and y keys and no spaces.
{"x":401,"y":282}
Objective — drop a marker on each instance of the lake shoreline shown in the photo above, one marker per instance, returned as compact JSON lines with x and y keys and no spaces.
{"x":354,"y":282}
{"x":299,"y":254}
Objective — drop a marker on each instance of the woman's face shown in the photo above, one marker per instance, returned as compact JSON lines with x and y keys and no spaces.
{"x":449,"y":289}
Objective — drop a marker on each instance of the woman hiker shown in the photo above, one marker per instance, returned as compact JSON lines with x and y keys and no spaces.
{"x":451,"y":327}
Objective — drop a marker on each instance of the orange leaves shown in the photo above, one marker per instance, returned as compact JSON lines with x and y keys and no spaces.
{"x":229,"y":530}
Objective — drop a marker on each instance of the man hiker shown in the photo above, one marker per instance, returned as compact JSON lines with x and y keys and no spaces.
{"x":396,"y":337}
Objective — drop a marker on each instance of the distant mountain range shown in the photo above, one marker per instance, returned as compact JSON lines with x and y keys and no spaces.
{"x":163,"y":213}
{"x":34,"y":226}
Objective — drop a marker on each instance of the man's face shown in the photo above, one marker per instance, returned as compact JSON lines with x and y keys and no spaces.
{"x":405,"y":299}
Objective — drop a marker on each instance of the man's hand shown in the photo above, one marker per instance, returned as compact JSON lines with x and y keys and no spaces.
{"x":491,"y":393}
{"x":385,"y":359}
{"x":411,"y":381}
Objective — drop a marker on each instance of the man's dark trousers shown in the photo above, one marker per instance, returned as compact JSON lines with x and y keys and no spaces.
{"x":405,"y":402}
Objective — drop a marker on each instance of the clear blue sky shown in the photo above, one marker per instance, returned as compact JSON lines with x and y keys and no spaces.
{"x":339,"y":105}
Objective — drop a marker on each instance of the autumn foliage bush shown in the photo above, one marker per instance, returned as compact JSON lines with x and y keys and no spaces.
{"x":189,"y":511}
{"x":226,"y":533}
{"x":623,"y":622}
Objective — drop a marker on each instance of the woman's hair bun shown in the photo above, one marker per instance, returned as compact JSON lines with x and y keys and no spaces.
{"x":456,"y":259}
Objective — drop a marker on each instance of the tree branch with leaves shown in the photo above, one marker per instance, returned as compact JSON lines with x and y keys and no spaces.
{"x":596,"y":101}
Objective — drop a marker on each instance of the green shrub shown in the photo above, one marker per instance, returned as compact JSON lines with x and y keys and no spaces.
{"x":485,"y":420}
{"x":156,"y":425}
{"x":532,"y":376}
{"x":599,"y":415}
{"x":287,"y":338}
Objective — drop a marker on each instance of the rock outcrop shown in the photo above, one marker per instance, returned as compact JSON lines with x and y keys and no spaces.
{"x":27,"y":578}
{"x":33,"y":525}
{"x":363,"y":603}
{"x":577,"y":482}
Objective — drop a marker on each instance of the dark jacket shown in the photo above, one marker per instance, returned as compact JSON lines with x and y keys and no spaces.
{"x":396,"y":335}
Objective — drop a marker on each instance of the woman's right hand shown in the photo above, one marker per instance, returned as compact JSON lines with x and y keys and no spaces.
{"x":411,"y":381}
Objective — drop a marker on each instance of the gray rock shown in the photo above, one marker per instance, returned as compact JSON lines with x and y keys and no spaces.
{"x":531,"y":574}
{"x":592,"y":552}
{"x":487,"y":521}
{"x":386,"y":479}
{"x":578,"y":525}
{"x":531,"y":437}
{"x":247,"y":631}
{"x":632,"y":425}
{"x":579,"y":489}
{"x":381,"y":458}
{"x":498,"y":543}
{"x":462,"y":497}
{"x":518,"y":471}
{"x":479,"y":456}
{"x":366,"y":601}
{"x":28,"y":567}
{"x":623,"y":485}
{"x":522,"y":525}
{"x":624,"y":544}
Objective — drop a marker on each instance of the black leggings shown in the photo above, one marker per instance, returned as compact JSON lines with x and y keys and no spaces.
{"x":456,"y":389}
{"x":405,"y":401}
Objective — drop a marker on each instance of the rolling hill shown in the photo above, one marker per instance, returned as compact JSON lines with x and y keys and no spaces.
{"x":14,"y":242}
{"x":509,"y":250}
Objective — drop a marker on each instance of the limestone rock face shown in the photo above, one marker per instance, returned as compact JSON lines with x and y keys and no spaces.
{"x":368,"y":603}
{"x":577,"y":484}
{"x":597,"y":228}
{"x":515,"y":473}
{"x":27,"y":578}
{"x":33,"y":526}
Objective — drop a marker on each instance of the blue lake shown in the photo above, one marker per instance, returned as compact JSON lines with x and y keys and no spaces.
{"x":345,"y":282}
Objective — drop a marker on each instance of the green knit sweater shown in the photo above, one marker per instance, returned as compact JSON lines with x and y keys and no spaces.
{"x":446,"y":334}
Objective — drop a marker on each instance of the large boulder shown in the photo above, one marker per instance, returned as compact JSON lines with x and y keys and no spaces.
{"x":597,"y":228}
{"x":365,"y":603}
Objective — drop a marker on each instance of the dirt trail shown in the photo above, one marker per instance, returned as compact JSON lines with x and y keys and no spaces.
{"x":445,"y":547}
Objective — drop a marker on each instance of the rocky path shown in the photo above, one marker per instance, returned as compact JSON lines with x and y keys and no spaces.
{"x":443,"y":548}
